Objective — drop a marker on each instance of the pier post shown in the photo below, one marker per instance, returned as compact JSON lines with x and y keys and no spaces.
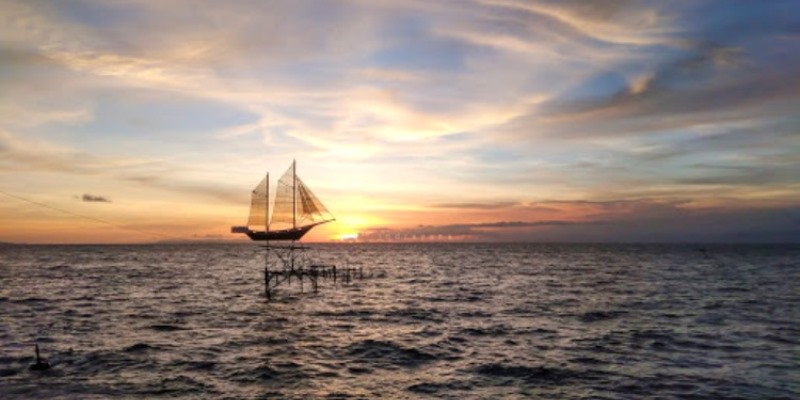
{"x":266,"y":283}
{"x":267,"y":277}
{"x":314,"y":276}
{"x":291,"y":265}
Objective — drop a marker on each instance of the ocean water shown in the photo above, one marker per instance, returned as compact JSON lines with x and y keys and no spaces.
{"x":449,"y":321}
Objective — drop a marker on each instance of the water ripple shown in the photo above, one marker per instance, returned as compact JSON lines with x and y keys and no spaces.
{"x":451,"y":321}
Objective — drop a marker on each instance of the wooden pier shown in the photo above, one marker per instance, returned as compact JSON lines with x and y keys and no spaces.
{"x":282,"y":264}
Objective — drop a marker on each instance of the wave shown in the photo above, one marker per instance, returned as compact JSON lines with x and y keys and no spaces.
{"x":387,"y":353}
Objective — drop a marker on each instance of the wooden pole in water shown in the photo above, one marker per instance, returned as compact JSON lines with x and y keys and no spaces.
{"x":266,"y":230}
{"x":266,"y":283}
{"x":316,"y":276}
{"x":267,"y":277}
{"x":291,"y":272}
{"x":40,"y":365}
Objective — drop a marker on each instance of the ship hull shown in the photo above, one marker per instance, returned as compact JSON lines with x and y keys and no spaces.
{"x":282,"y":235}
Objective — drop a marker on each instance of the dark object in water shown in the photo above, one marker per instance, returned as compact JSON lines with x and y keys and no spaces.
{"x":40,"y":365}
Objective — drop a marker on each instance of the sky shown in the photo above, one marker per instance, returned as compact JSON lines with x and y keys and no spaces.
{"x":450,"y":120}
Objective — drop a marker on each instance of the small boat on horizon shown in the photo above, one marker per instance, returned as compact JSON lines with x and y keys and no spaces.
{"x":295,"y":212}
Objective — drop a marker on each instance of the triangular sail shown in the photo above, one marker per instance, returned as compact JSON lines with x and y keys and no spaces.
{"x":311,"y":209}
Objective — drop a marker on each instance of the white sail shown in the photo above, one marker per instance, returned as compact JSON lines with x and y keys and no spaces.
{"x":258,"y":206}
{"x":295,"y":205}
{"x":283,"y":210}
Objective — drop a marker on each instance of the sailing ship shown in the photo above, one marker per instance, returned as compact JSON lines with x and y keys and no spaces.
{"x":296,"y":210}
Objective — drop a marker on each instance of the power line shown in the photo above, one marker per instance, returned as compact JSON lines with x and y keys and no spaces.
{"x":87,"y":217}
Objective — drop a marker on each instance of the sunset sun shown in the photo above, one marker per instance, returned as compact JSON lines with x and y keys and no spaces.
{"x":348,"y":236}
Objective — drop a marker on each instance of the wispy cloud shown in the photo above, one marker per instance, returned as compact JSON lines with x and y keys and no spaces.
{"x":646,"y":224}
{"x":475,"y":232}
{"x":94,"y":199}
{"x":23,"y":155}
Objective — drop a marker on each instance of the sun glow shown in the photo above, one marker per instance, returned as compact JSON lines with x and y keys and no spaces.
{"x":347,"y":227}
{"x":348,"y":236}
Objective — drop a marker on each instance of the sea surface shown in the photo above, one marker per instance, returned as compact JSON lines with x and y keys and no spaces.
{"x":446,"y":321}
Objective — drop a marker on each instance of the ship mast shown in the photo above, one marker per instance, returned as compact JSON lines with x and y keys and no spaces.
{"x":294,"y":194}
{"x":266,"y":213}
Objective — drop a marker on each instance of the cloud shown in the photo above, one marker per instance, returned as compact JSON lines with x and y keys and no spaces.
{"x":24,"y":155}
{"x":21,"y":154}
{"x":611,"y":21}
{"x":671,"y":91}
{"x":225,"y":193}
{"x":480,"y":206}
{"x":723,"y":138}
{"x":638,"y":222}
{"x":510,"y":206}
{"x":477,"y":231}
{"x":94,"y":199}
{"x":22,"y":117}
{"x":701,"y":84}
